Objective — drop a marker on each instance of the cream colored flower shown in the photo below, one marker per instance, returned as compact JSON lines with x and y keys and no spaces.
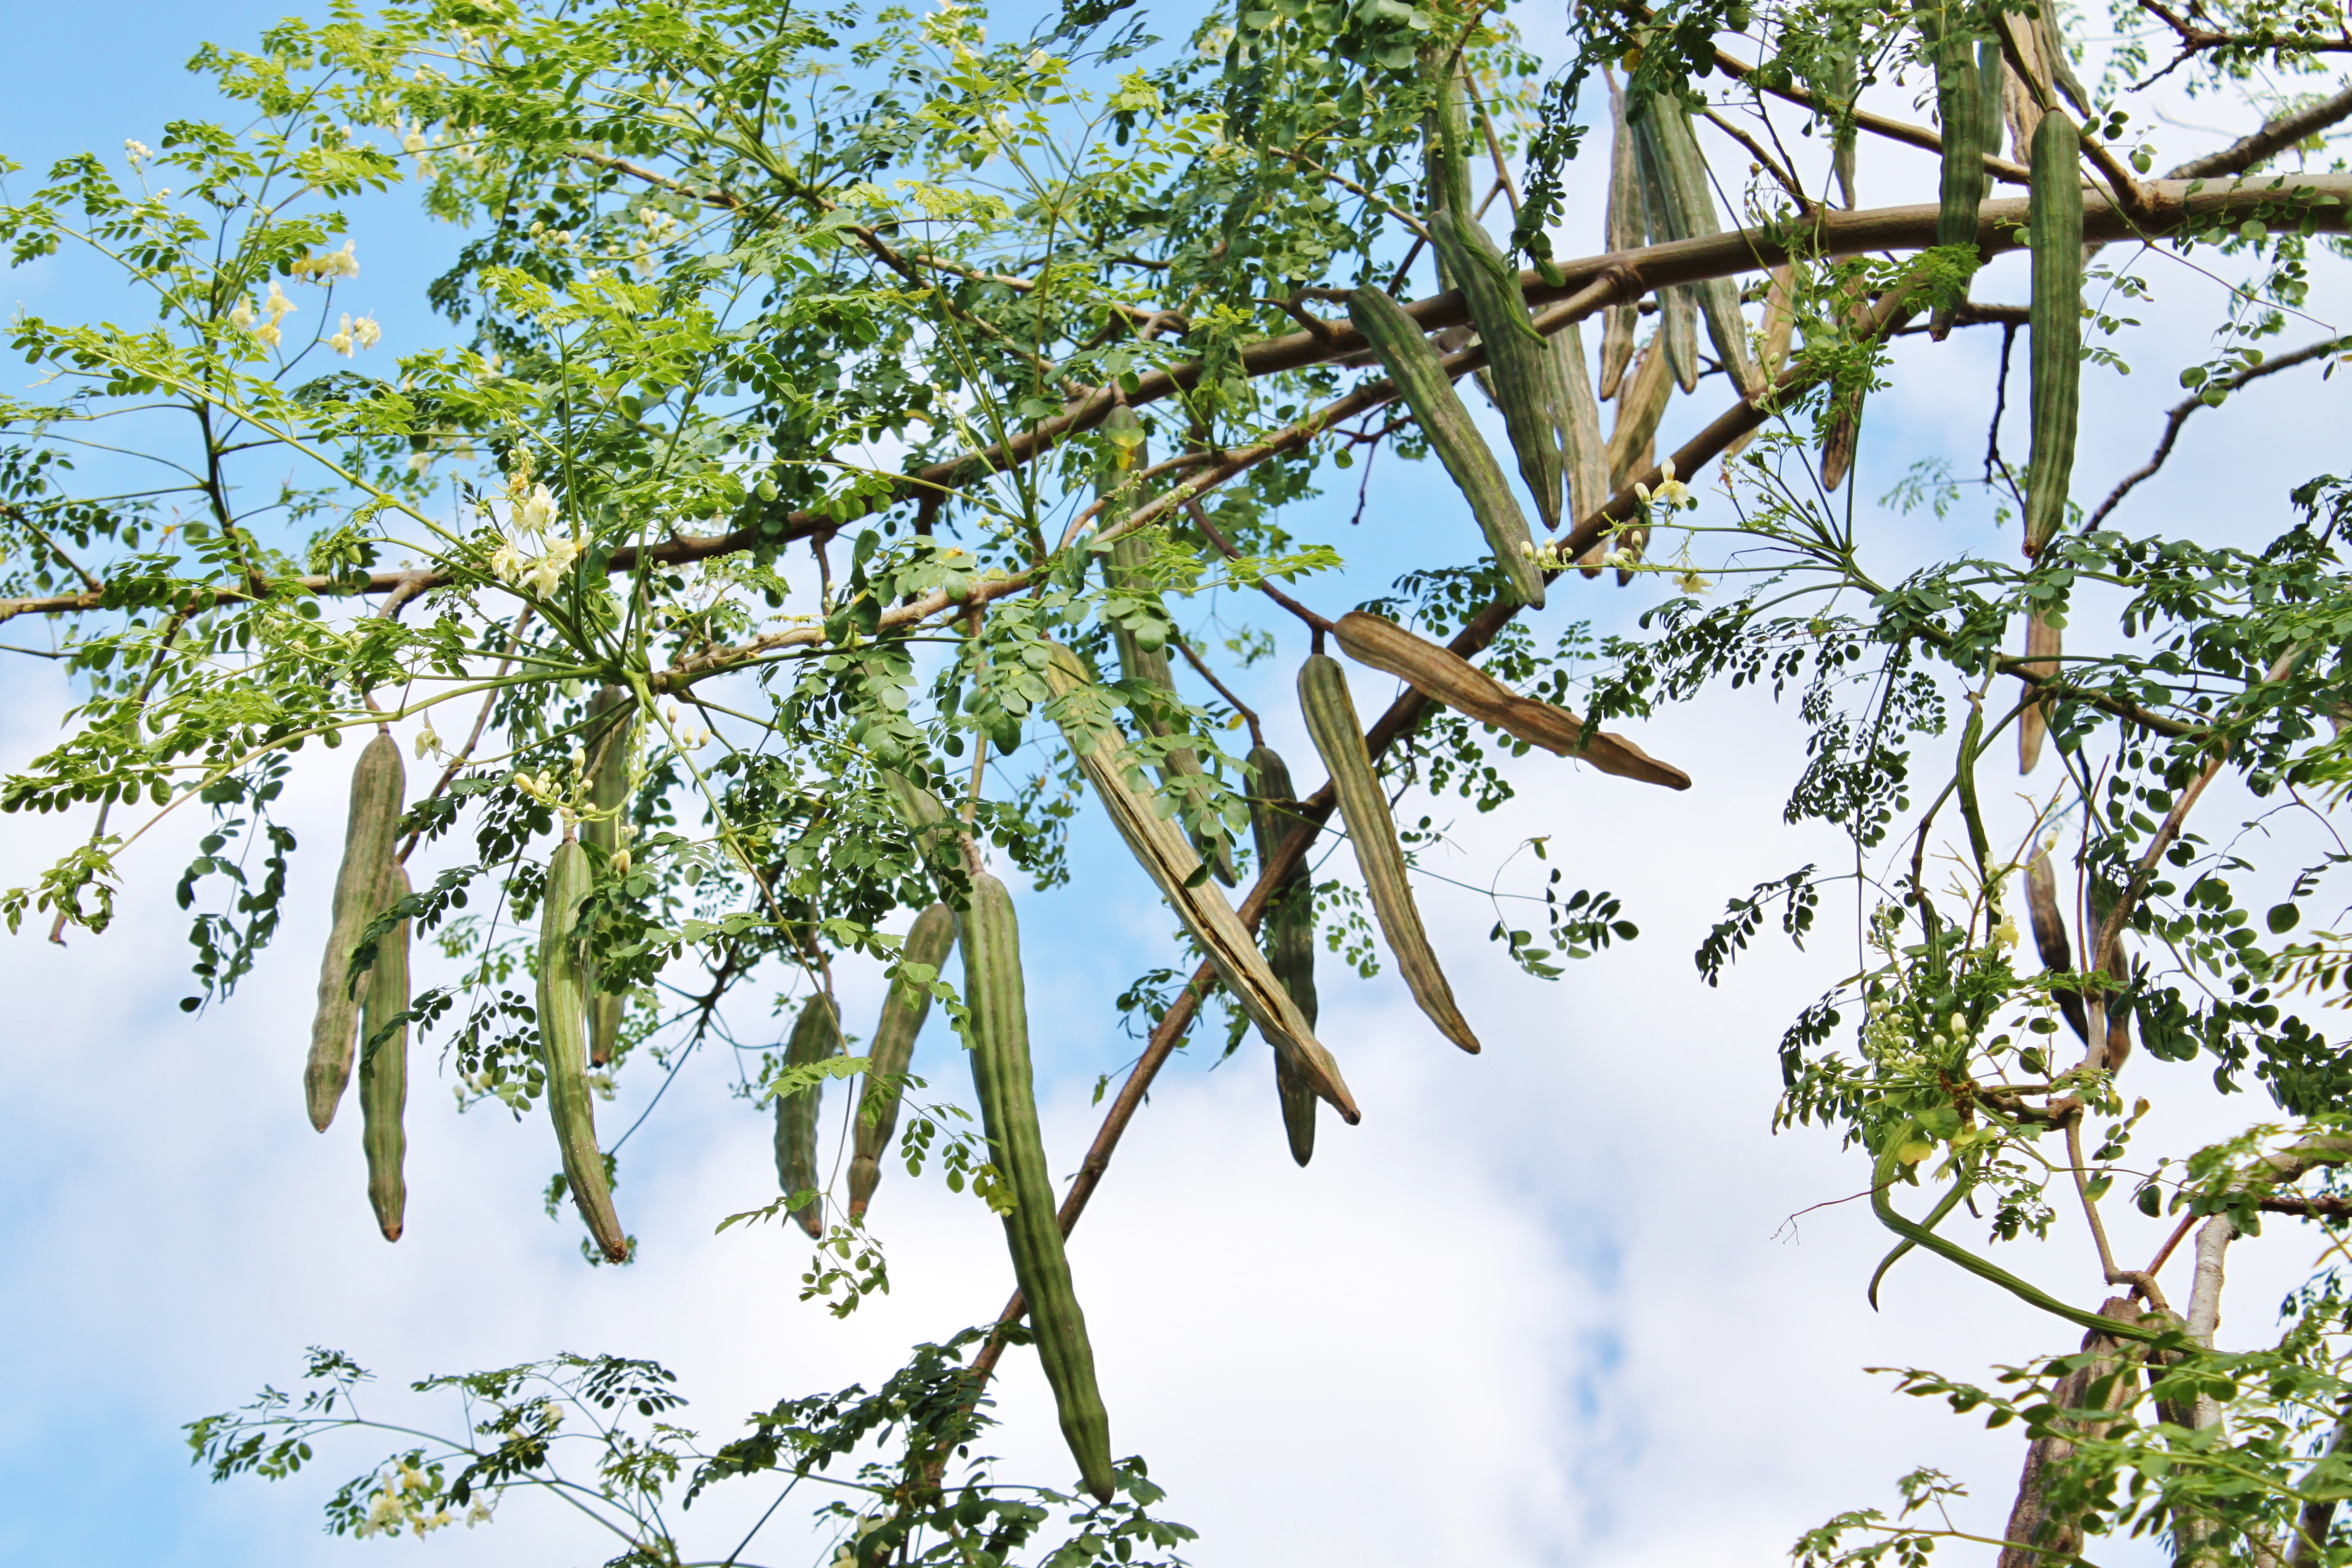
{"x":241,"y":316}
{"x":340,"y":341}
{"x":278,"y":304}
{"x":1671,"y":491}
{"x":543,"y":578}
{"x":426,"y":740}
{"x":536,"y":511}
{"x":268,"y":332}
{"x":135,"y":150}
{"x":1692,"y":583}
{"x":365,"y":332}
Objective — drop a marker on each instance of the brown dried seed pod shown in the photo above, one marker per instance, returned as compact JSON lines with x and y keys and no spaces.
{"x":2043,"y":644}
{"x":1444,"y":676}
{"x":2050,"y":938}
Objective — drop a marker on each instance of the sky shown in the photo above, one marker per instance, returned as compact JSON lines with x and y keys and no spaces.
{"x":1567,"y":1302}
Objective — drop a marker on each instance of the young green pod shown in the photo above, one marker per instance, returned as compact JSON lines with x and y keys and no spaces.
{"x":1527,"y":383}
{"x":1140,"y":660}
{"x":1288,"y":933}
{"x":1422,"y":381}
{"x":1002,"y":1082}
{"x":1338,"y":737}
{"x":1626,"y":226}
{"x":564,"y":1047}
{"x":1968,"y":133}
{"x":378,"y":786}
{"x":815,"y":1037}
{"x":1082,"y":710}
{"x":609,"y":746}
{"x":1444,"y":676}
{"x":2055,"y":225}
{"x":383,"y":1069}
{"x":892,"y":1047}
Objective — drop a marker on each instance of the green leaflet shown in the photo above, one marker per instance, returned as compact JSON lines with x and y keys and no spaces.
{"x":815,"y":1037}
{"x":1420,"y":380}
{"x":378,"y":786}
{"x":1032,"y":1231}
{"x":1339,"y":736}
{"x":564,"y":1047}
{"x":383,"y":1069}
{"x":893,"y":1048}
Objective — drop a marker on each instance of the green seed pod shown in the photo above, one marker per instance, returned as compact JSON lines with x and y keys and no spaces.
{"x":1682,"y":207}
{"x":609,"y":764}
{"x":1289,"y":932}
{"x":903,"y":1012}
{"x":1420,"y":380}
{"x":564,"y":1047}
{"x":1967,"y":135}
{"x":1527,"y":385}
{"x":1033,"y":1229}
{"x":1584,"y":450}
{"x":1124,"y":572}
{"x":1444,"y":138}
{"x":1626,"y":228}
{"x":815,"y":1037}
{"x":1082,"y":710}
{"x":2055,"y":224}
{"x":1444,"y":676}
{"x":383,"y":1069}
{"x":1339,"y":736}
{"x":378,"y":788}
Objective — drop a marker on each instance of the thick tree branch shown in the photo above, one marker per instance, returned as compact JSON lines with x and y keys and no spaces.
{"x":2189,"y":406}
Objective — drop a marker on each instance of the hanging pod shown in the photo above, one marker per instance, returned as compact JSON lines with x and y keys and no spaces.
{"x":2049,"y":940}
{"x":1779,"y":329}
{"x":1968,"y":132}
{"x":1626,"y":228}
{"x":1123,"y":572}
{"x":1422,"y":381}
{"x":2054,"y":228}
{"x":1682,"y":207}
{"x":609,"y":764}
{"x":1584,"y":451}
{"x":1641,"y":403}
{"x":1287,"y":933}
{"x":1339,"y":736}
{"x":1082,"y":710}
{"x":2043,"y":643}
{"x":383,"y":1069}
{"x":1444,"y":676}
{"x":564,"y":1047}
{"x":378,"y":786}
{"x":815,"y":1037}
{"x":1032,"y":1231}
{"x":904,"y":1009}
{"x":1527,"y":383}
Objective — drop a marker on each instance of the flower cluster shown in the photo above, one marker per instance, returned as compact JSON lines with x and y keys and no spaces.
{"x":277,"y":306}
{"x":516,"y":563}
{"x":327,"y":266}
{"x":359,"y":334}
{"x":409,"y":1499}
{"x":135,"y":150}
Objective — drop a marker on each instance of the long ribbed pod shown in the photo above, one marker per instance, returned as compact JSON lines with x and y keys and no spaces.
{"x":1641,"y":403}
{"x":564,"y":1047}
{"x":892,"y":1048}
{"x":378,"y":786}
{"x":1083,"y":712}
{"x":2055,"y":222}
{"x":609,"y":764}
{"x":815,"y":1037}
{"x":1288,"y":932}
{"x":1684,"y":208}
{"x":1444,"y":676}
{"x":1526,"y":384}
{"x":1627,"y":228}
{"x":1123,"y":572}
{"x":383,"y":1069}
{"x":1339,"y":736}
{"x":1420,"y":380}
{"x":1584,"y":451}
{"x":1968,"y":133}
{"x":1779,"y":329}
{"x":1032,"y":1231}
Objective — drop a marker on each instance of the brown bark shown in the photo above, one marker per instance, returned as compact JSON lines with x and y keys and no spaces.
{"x":2032,"y":1523}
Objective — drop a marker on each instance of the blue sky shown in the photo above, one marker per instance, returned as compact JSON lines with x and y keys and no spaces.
{"x":1508,"y":1319}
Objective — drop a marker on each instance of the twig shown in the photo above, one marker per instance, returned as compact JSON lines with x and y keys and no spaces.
{"x":1249,"y":714}
{"x":1764,"y":159}
{"x":481,"y":721}
{"x":1199,"y":515}
{"x":2189,"y":406}
{"x":2275,"y":136}
{"x":1911,"y":136}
